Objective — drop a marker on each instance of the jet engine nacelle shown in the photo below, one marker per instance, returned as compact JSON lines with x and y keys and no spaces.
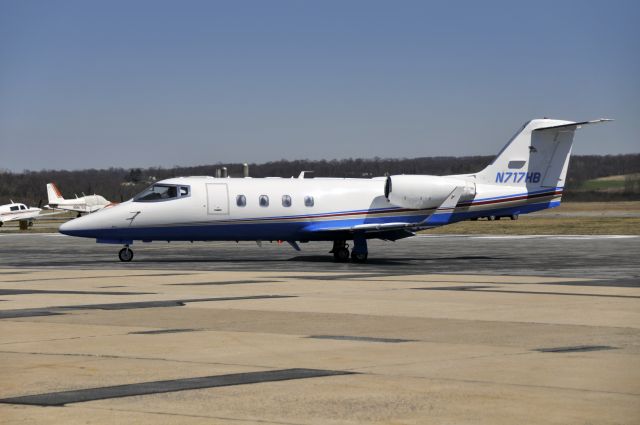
{"x":421,"y":192}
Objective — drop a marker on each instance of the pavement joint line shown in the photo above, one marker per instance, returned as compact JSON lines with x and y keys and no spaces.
{"x":96,"y":277}
{"x":186,"y":415}
{"x":4,"y":291}
{"x":481,"y":289}
{"x":158,"y":359}
{"x":57,"y":310}
{"x":61,"y":398}
{"x":222,"y":283}
{"x":575,"y":349}
{"x":361,"y":338}
{"x":513,"y":384}
{"x":163,"y":331}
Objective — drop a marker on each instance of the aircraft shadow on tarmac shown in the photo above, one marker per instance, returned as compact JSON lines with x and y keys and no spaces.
{"x":390,"y":262}
{"x":400,"y":261}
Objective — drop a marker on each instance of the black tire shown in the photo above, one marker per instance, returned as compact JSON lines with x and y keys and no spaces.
{"x":491,"y":217}
{"x":359,"y":257}
{"x":341,"y":255}
{"x":125,"y":255}
{"x":514,"y":217}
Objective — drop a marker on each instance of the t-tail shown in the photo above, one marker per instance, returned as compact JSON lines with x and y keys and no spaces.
{"x":55,"y":197}
{"x":527,"y":175}
{"x":536,"y":158}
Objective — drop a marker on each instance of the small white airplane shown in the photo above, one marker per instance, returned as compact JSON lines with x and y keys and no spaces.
{"x":18,"y":212}
{"x":527,"y":175}
{"x":85,"y":204}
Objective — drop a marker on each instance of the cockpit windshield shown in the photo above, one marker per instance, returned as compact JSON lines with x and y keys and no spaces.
{"x":162,"y":192}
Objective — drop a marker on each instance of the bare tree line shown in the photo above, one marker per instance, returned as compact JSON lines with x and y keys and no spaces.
{"x":118,"y":184}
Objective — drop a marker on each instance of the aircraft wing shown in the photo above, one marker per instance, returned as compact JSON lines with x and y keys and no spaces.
{"x":398,"y":230}
{"x":52,"y":213}
{"x":389,"y":231}
{"x":28,"y":218}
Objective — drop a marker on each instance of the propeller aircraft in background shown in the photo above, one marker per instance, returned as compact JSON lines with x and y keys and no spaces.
{"x":20,"y":212}
{"x":82,"y":205}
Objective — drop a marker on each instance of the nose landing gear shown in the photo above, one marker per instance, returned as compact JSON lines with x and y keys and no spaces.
{"x":125,"y":254}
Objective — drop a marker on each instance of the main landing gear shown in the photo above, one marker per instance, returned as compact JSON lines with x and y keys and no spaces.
{"x":125,"y":254}
{"x":359,"y":252}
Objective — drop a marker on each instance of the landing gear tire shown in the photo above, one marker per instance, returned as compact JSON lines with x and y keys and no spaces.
{"x":79,"y":215}
{"x":359,"y":257}
{"x":125,"y":254}
{"x":341,"y":254}
{"x":514,"y":217}
{"x":359,"y":253}
{"x":340,"y":251}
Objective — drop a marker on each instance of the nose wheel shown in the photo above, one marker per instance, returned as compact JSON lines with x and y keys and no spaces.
{"x":125,"y":254}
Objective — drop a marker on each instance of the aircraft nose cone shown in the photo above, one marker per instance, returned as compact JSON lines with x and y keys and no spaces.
{"x":70,"y":228}
{"x":82,"y":226}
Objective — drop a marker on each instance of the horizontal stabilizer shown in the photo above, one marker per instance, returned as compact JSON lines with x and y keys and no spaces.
{"x":573,"y":125}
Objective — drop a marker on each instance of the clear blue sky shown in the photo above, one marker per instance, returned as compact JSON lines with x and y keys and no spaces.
{"x":162,"y":83}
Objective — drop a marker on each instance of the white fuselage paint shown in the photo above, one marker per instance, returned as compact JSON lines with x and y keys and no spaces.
{"x":527,"y":175}
{"x":355,"y":201}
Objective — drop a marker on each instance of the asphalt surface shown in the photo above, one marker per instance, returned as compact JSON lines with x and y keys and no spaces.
{"x":489,"y":330}
{"x":605,"y":257}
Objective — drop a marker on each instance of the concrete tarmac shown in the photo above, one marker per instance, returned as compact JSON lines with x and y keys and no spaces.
{"x":477,"y":330}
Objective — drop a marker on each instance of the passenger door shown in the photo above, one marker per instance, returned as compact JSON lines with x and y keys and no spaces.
{"x":217,"y":198}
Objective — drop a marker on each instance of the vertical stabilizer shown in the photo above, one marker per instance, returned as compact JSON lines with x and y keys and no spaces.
{"x":536,"y":157}
{"x":55,"y":197}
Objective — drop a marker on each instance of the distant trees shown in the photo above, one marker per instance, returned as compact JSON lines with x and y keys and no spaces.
{"x":117,"y":184}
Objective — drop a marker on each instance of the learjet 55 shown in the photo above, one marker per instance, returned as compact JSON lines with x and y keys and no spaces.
{"x":527,"y":175}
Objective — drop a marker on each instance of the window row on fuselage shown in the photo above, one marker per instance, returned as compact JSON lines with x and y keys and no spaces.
{"x":17,"y":207}
{"x":263,"y":201}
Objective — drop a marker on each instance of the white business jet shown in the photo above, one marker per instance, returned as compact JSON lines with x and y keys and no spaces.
{"x":84,"y":204}
{"x":18,"y":212}
{"x":527,"y":175}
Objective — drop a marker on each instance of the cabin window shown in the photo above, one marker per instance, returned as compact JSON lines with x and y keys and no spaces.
{"x":308,"y":201}
{"x":158,"y":192}
{"x":184,"y":191}
{"x":286,"y":200}
{"x":15,"y":208}
{"x":22,"y":207}
{"x":263,"y":201}
{"x":241,"y":201}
